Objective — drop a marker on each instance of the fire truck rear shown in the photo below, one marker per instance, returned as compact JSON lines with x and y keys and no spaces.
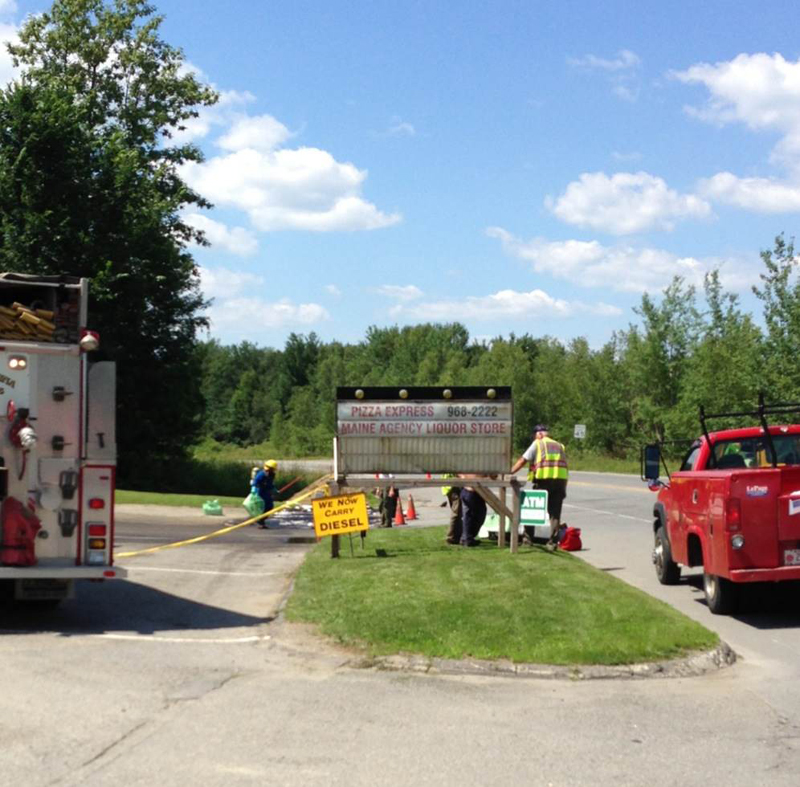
{"x":57,"y":444}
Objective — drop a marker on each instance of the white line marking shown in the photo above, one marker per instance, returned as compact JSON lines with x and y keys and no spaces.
{"x":182,"y":640}
{"x":148,"y":637}
{"x":607,"y":513}
{"x":199,"y":571}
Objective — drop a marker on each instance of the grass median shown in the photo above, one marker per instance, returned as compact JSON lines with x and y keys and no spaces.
{"x":407,"y":591}
{"x":129,"y":497}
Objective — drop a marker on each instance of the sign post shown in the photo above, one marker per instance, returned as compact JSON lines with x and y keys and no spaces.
{"x":580,"y":432}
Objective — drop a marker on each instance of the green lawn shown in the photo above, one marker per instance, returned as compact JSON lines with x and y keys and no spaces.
{"x":123,"y":496}
{"x":409,"y":592}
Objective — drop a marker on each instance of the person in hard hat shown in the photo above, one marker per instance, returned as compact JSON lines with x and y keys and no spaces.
{"x":264,"y":484}
{"x":548,"y":470}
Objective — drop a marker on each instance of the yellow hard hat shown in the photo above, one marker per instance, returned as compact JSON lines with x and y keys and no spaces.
{"x":271,"y":463}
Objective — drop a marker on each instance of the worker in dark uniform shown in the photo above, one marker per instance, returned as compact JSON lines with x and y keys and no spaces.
{"x":453,"y":495}
{"x":473,"y":513}
{"x":388,"y":502}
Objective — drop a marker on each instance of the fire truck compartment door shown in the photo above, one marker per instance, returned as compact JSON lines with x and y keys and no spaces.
{"x":101,"y":434}
{"x":50,"y":470}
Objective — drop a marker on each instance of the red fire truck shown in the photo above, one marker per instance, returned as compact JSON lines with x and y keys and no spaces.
{"x":57,"y":445}
{"x":733,"y":506}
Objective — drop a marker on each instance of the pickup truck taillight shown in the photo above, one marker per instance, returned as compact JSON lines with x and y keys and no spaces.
{"x":733,"y":515}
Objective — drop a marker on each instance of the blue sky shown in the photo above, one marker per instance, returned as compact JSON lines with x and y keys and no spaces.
{"x":518,"y":167}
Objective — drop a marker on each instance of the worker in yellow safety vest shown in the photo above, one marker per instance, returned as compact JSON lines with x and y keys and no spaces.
{"x":548,"y":470}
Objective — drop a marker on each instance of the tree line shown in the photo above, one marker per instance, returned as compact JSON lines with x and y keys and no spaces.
{"x":686,"y":349}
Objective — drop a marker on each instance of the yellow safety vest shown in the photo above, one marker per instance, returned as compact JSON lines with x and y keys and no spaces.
{"x":549,"y":460}
{"x":446,"y":489}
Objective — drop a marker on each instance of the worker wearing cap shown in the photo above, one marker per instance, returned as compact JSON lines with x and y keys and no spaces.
{"x":548,"y":470}
{"x":264,"y":484}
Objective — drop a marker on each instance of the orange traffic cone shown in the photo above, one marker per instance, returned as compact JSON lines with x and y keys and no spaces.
{"x":411,"y":512}
{"x":399,"y":519}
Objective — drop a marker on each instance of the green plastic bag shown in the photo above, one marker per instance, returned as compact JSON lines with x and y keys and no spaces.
{"x":212,"y":508}
{"x":253,"y":504}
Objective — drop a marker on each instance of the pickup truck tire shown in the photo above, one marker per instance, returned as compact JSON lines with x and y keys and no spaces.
{"x":721,"y":594}
{"x":667,"y":571}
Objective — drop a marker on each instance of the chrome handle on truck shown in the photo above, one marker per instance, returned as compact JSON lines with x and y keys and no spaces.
{"x":694,"y":495}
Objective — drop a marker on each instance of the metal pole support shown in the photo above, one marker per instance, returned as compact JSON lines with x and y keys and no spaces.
{"x":515,"y":490}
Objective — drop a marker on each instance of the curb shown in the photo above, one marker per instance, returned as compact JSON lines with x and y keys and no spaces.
{"x":697,"y":664}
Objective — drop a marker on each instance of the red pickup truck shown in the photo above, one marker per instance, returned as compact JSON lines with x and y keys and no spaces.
{"x":733,"y":507}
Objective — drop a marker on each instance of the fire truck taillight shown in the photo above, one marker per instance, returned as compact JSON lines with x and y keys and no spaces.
{"x":97,"y":543}
{"x":733,"y":515}
{"x":17,"y":362}
{"x":97,"y":530}
{"x":97,"y":503}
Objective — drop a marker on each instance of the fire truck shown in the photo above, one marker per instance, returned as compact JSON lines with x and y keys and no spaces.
{"x":58,"y":443}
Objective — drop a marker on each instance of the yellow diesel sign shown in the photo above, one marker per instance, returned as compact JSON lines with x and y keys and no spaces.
{"x":343,"y":514}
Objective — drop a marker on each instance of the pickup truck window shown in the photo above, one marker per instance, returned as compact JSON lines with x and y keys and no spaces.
{"x":754,"y":452}
{"x":691,"y":458}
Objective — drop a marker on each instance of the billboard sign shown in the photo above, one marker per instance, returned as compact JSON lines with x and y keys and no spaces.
{"x":424,"y":429}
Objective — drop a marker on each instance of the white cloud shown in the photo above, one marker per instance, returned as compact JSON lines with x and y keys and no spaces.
{"x":761,"y":91}
{"x":624,"y":61}
{"x":332,"y":289}
{"x":236,"y":240}
{"x":626,"y":157}
{"x":255,"y":313}
{"x":763,"y":195}
{"x":8,"y":34}
{"x":400,"y":128}
{"x":226,"y":111}
{"x":621,"y":72}
{"x":626,"y":92}
{"x":400,"y":293}
{"x":625,"y":203}
{"x":299,"y":189}
{"x":623,"y":268}
{"x":221,"y":283}
{"x":503,"y":305}
{"x":262,"y":133}
{"x":232,"y":310}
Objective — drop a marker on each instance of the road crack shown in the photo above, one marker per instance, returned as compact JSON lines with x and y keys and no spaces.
{"x":194,"y":691}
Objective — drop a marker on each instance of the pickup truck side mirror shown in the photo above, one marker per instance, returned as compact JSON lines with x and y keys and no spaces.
{"x":651,"y":462}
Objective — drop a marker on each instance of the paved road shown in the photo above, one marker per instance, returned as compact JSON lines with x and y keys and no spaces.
{"x":614,"y":515}
{"x":180,"y":675}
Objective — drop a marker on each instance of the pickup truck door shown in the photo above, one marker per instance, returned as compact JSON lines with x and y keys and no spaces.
{"x":679,"y":514}
{"x":681,"y":510}
{"x":695,"y":507}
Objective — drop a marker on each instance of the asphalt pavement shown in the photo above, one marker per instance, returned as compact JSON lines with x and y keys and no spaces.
{"x":186,"y":674}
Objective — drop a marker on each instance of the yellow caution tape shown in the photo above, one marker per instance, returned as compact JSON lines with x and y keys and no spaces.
{"x":312,"y":490}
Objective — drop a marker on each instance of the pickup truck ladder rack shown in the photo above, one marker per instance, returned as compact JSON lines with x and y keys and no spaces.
{"x":780,"y":408}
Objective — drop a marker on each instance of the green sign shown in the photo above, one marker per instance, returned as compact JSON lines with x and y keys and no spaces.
{"x":533,"y":507}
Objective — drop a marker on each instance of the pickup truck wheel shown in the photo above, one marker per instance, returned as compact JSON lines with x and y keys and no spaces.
{"x":721,"y":595}
{"x":667,"y":571}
